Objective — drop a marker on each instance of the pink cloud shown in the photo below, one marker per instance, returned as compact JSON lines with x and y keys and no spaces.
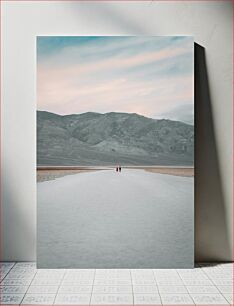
{"x":78,"y":88}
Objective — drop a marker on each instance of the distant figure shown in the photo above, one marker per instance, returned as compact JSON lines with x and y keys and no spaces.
{"x":119,"y":168}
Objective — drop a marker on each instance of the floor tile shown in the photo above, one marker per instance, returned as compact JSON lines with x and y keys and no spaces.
{"x":145,"y":289}
{"x":223,"y":282}
{"x":50,"y":274}
{"x":220,"y":276}
{"x":147,"y":299}
{"x":113,"y":271}
{"x":80,"y":271}
{"x":209,"y":299}
{"x":8,"y":264}
{"x":3,"y":275}
{"x":229,"y":297}
{"x":4,"y":270}
{"x":75,"y":289}
{"x":26,"y":264}
{"x":72,"y":299}
{"x":74,"y":278}
{"x":109,"y":276}
{"x":116,"y":272}
{"x":176,"y":299}
{"x":197,"y":282}
{"x":43,"y":289}
{"x":225,"y":289}
{"x":23,"y":269}
{"x":141,"y":270}
{"x":141,"y":273}
{"x":197,"y":277}
{"x":197,"y":271}
{"x":172,"y":289}
{"x":190,"y":271}
{"x":13,"y":289}
{"x":202,"y":289}
{"x":46,"y":282}
{"x":16,"y":282}
{"x":169,"y":272}
{"x":169,"y":282}
{"x":206,"y":285}
{"x":115,"y":282}
{"x":112,"y":299}
{"x":54,"y":271}
{"x":11,"y":299}
{"x":19,"y":276}
{"x":166,"y":276}
{"x":112,"y":289}
{"x":143,"y":282}
{"x":77,"y":282}
{"x":39,"y":299}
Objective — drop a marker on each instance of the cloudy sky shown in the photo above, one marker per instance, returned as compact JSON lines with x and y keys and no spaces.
{"x":151,"y":76}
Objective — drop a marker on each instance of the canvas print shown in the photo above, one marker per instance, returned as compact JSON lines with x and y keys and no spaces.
{"x":115,"y":152}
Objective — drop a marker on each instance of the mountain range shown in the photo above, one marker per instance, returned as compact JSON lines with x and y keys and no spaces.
{"x":95,"y":139}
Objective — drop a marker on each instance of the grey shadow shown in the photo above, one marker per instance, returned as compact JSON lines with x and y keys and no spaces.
{"x":109,"y":15}
{"x":18,"y":235}
{"x":211,"y":232}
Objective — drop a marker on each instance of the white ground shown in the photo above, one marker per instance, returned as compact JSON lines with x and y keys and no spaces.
{"x":104,"y":219}
{"x":207,"y":284}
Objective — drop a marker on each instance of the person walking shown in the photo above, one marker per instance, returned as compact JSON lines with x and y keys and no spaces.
{"x":119,"y":168}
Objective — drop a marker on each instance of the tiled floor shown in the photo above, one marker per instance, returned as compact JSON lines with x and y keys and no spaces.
{"x":208,"y":284}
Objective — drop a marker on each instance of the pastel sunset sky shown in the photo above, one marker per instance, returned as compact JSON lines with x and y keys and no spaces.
{"x":148,"y":75}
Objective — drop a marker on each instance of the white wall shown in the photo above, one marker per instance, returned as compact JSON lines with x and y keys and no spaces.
{"x":210,"y":22}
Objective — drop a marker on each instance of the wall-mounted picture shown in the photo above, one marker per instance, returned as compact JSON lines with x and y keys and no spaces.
{"x":115,"y":152}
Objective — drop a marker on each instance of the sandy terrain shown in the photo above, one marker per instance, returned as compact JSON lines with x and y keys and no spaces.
{"x":173,"y":171}
{"x":48,"y":174}
{"x":104,"y":219}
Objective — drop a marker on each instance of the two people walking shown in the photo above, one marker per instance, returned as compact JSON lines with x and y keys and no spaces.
{"x":118,"y":169}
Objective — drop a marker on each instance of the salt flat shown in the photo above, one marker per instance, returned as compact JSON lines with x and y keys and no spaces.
{"x":104,"y":219}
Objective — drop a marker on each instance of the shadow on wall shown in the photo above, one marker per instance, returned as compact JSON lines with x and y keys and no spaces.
{"x":110,"y":17}
{"x":18,"y":232}
{"x":211,"y":232}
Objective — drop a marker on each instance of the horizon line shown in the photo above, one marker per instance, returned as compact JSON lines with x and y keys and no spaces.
{"x":38,"y":110}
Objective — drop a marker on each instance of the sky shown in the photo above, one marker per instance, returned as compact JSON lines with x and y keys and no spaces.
{"x":148,"y":75}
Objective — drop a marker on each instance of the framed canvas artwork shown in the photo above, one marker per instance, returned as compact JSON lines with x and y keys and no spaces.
{"x":115,"y":152}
